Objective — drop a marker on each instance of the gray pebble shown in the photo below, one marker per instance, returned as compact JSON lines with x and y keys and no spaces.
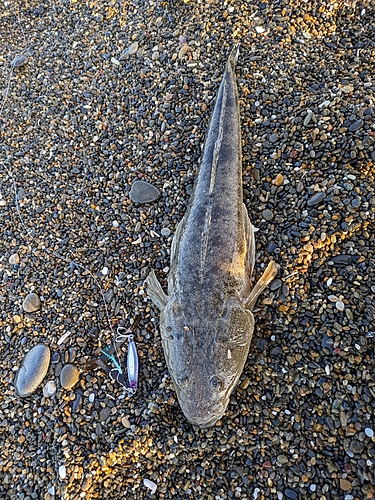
{"x":143,"y":192}
{"x":165,"y":231}
{"x":356,"y":125}
{"x":69,"y":376}
{"x":31,"y":303}
{"x":315,"y":199}
{"x":267,"y":214}
{"x":32,"y":371}
{"x":276,"y":284}
{"x":132,"y":49}
{"x":291,"y":494}
{"x":19,"y":61}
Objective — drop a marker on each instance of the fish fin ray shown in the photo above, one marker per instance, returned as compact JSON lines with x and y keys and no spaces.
{"x":175,"y":242}
{"x":155,"y":291}
{"x":261,"y":284}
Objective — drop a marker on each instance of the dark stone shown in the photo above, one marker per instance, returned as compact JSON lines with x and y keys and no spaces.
{"x":143,"y":192}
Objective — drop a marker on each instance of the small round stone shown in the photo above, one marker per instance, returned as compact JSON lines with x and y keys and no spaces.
{"x":32,"y":371}
{"x":279,"y":180}
{"x":345,"y":485}
{"x":267,"y":214}
{"x":165,"y":231}
{"x":14,"y":259}
{"x":31,"y":303}
{"x":369,"y":432}
{"x":49,"y":389}
{"x":69,"y":376}
{"x":143,"y":192}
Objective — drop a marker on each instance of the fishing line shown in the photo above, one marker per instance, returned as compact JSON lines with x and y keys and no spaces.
{"x":20,"y":60}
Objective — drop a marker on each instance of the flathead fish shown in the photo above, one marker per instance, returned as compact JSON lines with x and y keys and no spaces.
{"x":206,"y":320}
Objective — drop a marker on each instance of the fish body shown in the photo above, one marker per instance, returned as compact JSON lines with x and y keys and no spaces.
{"x":206,"y":319}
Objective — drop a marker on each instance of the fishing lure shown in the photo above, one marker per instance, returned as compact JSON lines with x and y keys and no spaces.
{"x":132,"y":361}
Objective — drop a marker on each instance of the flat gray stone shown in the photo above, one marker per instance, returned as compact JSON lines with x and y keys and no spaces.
{"x":143,"y":192}
{"x":32,"y":371}
{"x":356,"y":125}
{"x":31,"y":303}
{"x":315,"y":199}
{"x":69,"y":376}
{"x":19,"y":61}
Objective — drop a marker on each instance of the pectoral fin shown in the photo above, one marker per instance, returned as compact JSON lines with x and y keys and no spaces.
{"x":264,"y":281}
{"x":155,"y":291}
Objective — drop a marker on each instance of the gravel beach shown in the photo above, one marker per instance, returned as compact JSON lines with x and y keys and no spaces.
{"x":99,"y":94}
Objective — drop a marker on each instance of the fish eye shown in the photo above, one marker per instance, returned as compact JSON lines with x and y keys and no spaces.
{"x":183,"y":381}
{"x":216,"y":383}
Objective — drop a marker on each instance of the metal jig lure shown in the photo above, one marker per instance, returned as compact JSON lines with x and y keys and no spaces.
{"x":131,"y":363}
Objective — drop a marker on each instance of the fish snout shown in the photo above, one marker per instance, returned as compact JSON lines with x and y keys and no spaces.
{"x":203,"y":415}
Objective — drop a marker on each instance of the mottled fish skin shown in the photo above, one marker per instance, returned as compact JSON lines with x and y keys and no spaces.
{"x":206,"y":319}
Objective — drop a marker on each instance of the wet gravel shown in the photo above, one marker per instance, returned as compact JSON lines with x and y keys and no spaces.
{"x":105,"y":93}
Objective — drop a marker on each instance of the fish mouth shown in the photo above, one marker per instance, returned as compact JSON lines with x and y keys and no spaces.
{"x":204,"y":418}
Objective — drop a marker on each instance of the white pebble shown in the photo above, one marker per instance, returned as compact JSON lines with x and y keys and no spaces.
{"x":329,"y":282}
{"x":259,"y":29}
{"x":369,"y":432}
{"x":14,"y":259}
{"x":256,"y":493}
{"x":150,"y":484}
{"x":328,"y":371}
{"x":63,"y":338}
{"x":312,"y":487}
{"x":62,"y":472}
{"x":333,"y":298}
{"x":115,"y":223}
{"x":92,"y":397}
{"x":340,"y":306}
{"x":49,"y":389}
{"x":51,"y":491}
{"x":105,"y":271}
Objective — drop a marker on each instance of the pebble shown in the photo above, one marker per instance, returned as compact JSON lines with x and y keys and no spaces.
{"x":165,"y":231}
{"x":150,"y":484}
{"x":19,"y":60}
{"x":143,"y":192}
{"x":69,"y":376}
{"x":279,"y":180}
{"x":267,"y":214}
{"x":345,"y":485}
{"x":315,"y":199}
{"x":356,"y":125}
{"x":33,"y":369}
{"x":14,"y":259}
{"x":31,"y":303}
{"x":340,"y":306}
{"x":62,"y":472}
{"x":49,"y":389}
{"x":291,"y":494}
{"x":369,"y":432}
{"x":132,"y":49}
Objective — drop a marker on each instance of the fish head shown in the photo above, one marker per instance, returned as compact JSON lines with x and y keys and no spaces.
{"x":206,"y":357}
